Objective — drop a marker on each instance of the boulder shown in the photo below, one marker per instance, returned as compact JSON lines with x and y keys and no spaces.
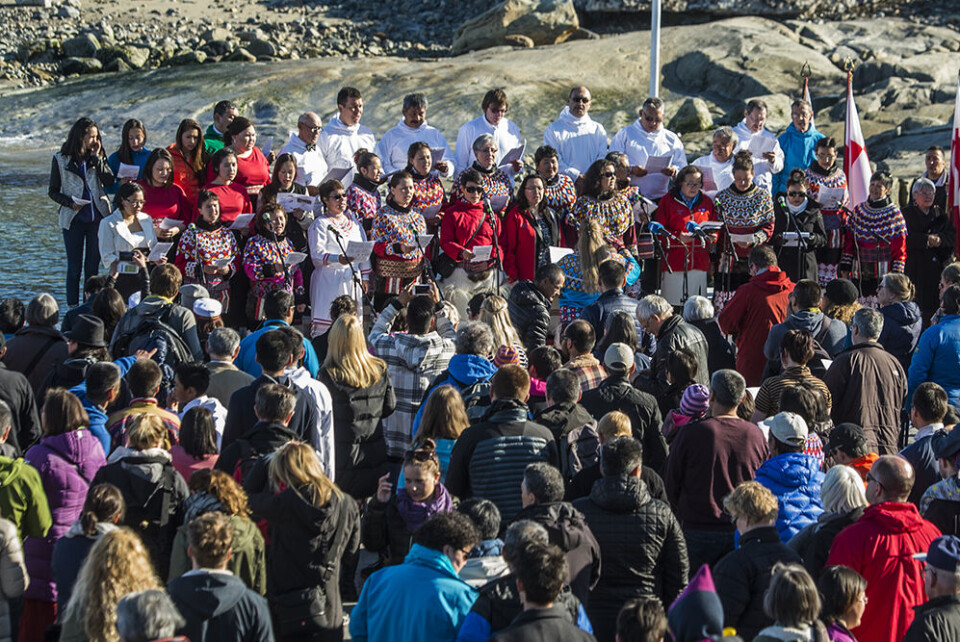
{"x":83,"y":46}
{"x":80,"y":66}
{"x":216,"y":33}
{"x":136,"y":57}
{"x":259,"y":47}
{"x":545,"y":22}
{"x":66,"y":11}
{"x":517,"y":40}
{"x":240,"y":55}
{"x":117,"y":64}
{"x":186,"y":58}
{"x":693,"y":116}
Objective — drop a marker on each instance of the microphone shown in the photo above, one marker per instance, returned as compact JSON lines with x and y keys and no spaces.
{"x":335,"y":231}
{"x":782,"y":201}
{"x":660,"y":230}
{"x":697,"y":231}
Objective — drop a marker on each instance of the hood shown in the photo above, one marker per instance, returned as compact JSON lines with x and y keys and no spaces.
{"x":149,"y":306}
{"x":337,"y":126}
{"x":895,"y":517}
{"x":422,"y":556}
{"x":76,"y":530}
{"x":412,"y":130}
{"x":579,"y":124}
{"x":203,"y":594}
{"x":123,"y":452}
{"x":469,"y":368}
{"x":144,"y":470}
{"x":773,"y":281}
{"x":565,"y":525}
{"x":420,"y":353}
{"x":787,"y":634}
{"x":791,"y":471}
{"x":40,"y":331}
{"x":76,"y":446}
{"x":619,"y":494}
{"x":812,"y":322}
{"x":479,"y":571}
{"x":271,"y":435}
{"x":73,"y":371}
{"x":902,"y":313}
{"x":11,"y":472}
{"x":322,"y":520}
{"x":792,"y":132}
{"x":296,"y":144}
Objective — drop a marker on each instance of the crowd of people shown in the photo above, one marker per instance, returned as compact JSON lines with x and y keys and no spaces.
{"x":505,"y":409}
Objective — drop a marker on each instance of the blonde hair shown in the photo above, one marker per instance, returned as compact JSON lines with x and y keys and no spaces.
{"x":899,"y":285}
{"x":295,"y":466}
{"x":146,"y":431}
{"x":753,"y":501}
{"x":842,"y":313}
{"x":444,"y":415}
{"x":593,"y":250}
{"x":348,"y":360}
{"x":118,"y":564}
{"x":614,"y":424}
{"x":494,"y":313}
{"x":222,"y":486}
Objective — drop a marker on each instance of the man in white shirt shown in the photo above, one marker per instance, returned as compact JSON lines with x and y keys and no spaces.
{"x":311,"y":168}
{"x":344,"y":135}
{"x":719,"y":161}
{"x":768,"y":163}
{"x":413,"y":128}
{"x":645,"y":138}
{"x":190,"y":384}
{"x":494,"y":121}
{"x":578,"y":139}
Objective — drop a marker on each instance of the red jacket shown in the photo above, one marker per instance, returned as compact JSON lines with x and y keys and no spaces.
{"x":458,"y":224}
{"x":673,"y":214}
{"x":879,"y":546}
{"x":185,"y":176}
{"x":756,"y":306}
{"x":518,"y":240}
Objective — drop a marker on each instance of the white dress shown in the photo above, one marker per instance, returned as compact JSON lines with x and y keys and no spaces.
{"x":331,"y":279}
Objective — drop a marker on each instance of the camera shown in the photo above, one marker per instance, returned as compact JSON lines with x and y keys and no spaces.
{"x":422,"y":288}
{"x":126,"y":256}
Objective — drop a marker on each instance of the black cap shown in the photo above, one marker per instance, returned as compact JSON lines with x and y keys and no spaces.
{"x":841,"y":291}
{"x":87,"y":330}
{"x":849,"y":438}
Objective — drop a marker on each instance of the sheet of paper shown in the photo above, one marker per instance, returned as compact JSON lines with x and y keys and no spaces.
{"x":170,"y":223}
{"x":711,"y":226}
{"x":430,"y":213}
{"x":221,"y":263}
{"x":436,"y":153}
{"x":80,"y":201}
{"x":360,"y":251}
{"x":742,"y":238}
{"x":128,"y":171}
{"x":267,"y":146}
{"x":790,"y":239}
{"x":426,"y":240}
{"x":290,"y":201}
{"x":657,"y":163}
{"x":481,"y":253}
{"x":557,"y":253}
{"x":709,"y":184}
{"x":760,"y":145}
{"x":159,"y":250}
{"x":498,"y":202}
{"x":754,"y":391}
{"x":242,"y":222}
{"x":830,"y":197}
{"x":337,"y":174}
{"x":515,"y":154}
{"x":294,"y":258}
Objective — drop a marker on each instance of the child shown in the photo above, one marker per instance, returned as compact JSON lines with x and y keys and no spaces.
{"x":693,"y":407}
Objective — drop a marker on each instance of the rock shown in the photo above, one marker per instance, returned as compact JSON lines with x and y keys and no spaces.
{"x":85,"y":46}
{"x":545,"y":22}
{"x":67,"y":11}
{"x":518,"y":40}
{"x":216,"y":33}
{"x":259,"y":47}
{"x":136,"y":57}
{"x":584,"y":34}
{"x":117,"y":64}
{"x":80,"y":66}
{"x":34,"y":3}
{"x":693,"y":116}
{"x":240,"y":55}
{"x":780,"y":9}
{"x":216,"y":48}
{"x":187,"y":58}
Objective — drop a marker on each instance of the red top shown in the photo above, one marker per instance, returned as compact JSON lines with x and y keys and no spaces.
{"x":184,"y":176}
{"x":518,"y":240}
{"x":252,"y":170}
{"x":459,"y":222}
{"x":167,"y":202}
{"x":233,"y":200}
{"x":674,"y":214}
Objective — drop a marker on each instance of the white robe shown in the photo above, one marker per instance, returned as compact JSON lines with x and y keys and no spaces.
{"x":393,"y":147}
{"x":331,"y":279}
{"x":506,"y":135}
{"x":338,"y":143}
{"x":639,"y":144}
{"x":763,"y":170}
{"x":579,"y":142}
{"x":722,"y":172}
{"x":311,"y":167}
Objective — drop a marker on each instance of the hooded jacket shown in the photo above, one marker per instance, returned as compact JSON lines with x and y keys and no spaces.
{"x":67,"y":464}
{"x":814,"y":541}
{"x":529,"y":313}
{"x":938,"y":358}
{"x":462,"y":371}
{"x":15,"y":390}
{"x":562,"y":419}
{"x":338,"y":142}
{"x":13,"y":575}
{"x":22,"y":499}
{"x":795,"y":479}
{"x":755,"y":308}
{"x":832,"y":339}
{"x":98,"y":416}
{"x":719,"y":351}
{"x":248,"y":553}
{"x":578,"y":141}
{"x":880,"y":546}
{"x":45,"y":345}
{"x":218,"y":607}
{"x":902,"y":323}
{"x":241,"y":417}
{"x":69,"y":554}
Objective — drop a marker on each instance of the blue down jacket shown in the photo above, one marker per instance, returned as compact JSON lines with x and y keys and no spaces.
{"x":795,"y":479}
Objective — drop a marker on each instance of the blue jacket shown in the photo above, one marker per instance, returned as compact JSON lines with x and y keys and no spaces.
{"x":937,"y":358}
{"x":465,"y":369}
{"x":901,"y":330}
{"x":798,"y":152}
{"x":795,"y":479}
{"x":98,"y":418}
{"x":421,"y":599}
{"x":247,"y":359}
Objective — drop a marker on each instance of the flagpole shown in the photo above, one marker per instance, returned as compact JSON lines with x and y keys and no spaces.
{"x":953,"y":181}
{"x":655,"y":48}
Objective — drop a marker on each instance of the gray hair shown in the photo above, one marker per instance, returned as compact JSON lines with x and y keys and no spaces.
{"x":543,"y":482}
{"x":417,"y":101}
{"x":474,"y":337}
{"x":868,"y":322}
{"x":697,"y":308}
{"x":42,"y":311}
{"x":482,"y":141}
{"x":223,"y":342}
{"x":842,"y":490}
{"x":520,"y":534}
{"x":653,"y":101}
{"x":920,"y":185}
{"x":452,"y":313}
{"x":147,"y":615}
{"x":728,"y":387}
{"x":653,"y":304}
{"x":727,"y":134}
{"x":6,"y":416}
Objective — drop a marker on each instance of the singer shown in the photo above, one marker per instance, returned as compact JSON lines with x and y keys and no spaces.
{"x":263,"y":262}
{"x":363,"y":195}
{"x":497,"y":185}
{"x":824,"y":173}
{"x":876,"y":242}
{"x":600,"y":201}
{"x":686,"y":203}
{"x":529,"y":229}
{"x":797,"y":209}
{"x":398,"y":258}
{"x":429,"y":198}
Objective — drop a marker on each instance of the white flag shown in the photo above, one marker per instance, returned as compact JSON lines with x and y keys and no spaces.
{"x":855,"y":161}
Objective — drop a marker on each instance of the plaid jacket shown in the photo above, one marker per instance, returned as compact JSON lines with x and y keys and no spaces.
{"x":413,"y":361}
{"x":589,"y":369}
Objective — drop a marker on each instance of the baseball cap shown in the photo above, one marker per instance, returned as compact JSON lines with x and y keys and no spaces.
{"x":847,"y":437}
{"x":944,"y":553}
{"x":787,"y":427}
{"x":618,"y":358}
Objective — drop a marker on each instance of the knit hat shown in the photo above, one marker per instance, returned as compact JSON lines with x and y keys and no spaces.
{"x":506,"y":356}
{"x":190,"y":292}
{"x":695,"y":400}
{"x":697,"y":613}
{"x":841,"y":291}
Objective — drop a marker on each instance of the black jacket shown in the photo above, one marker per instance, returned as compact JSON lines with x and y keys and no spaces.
{"x":938,"y":619}
{"x":642,"y":548}
{"x":498,"y":605}
{"x":259,"y":441}
{"x":810,"y":221}
{"x":530,"y":313}
{"x":561,"y":419}
{"x":945,"y":515}
{"x":742,"y":577}
{"x":597,"y":313}
{"x":15,"y":390}
{"x":360,"y":451}
{"x":567,"y":528}
{"x":218,"y":607}
{"x":302,"y":538}
{"x":383,"y":530}
{"x":616,"y":393}
{"x":241,"y":417}
{"x":813,"y":542}
{"x":488,"y":458}
{"x":542,"y":625}
{"x":675,"y":333}
{"x":583,"y":482}
{"x":924,"y":264}
{"x":720,"y":355}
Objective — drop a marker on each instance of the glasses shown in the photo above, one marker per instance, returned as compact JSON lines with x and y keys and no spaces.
{"x":796,"y":194}
{"x":871,"y":478}
{"x":498,"y":111}
{"x":339,"y":196}
{"x":581,"y":99}
{"x":698,"y":184}
{"x":137,"y":203}
{"x":609,"y":174}
{"x":472,"y":189}
{"x":490,"y":150}
{"x":312,"y":128}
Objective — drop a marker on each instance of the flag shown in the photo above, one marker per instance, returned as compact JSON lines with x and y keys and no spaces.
{"x":953,"y":184}
{"x":856,"y":165}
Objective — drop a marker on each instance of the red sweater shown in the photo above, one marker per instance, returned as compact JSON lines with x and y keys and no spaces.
{"x":167,"y":202}
{"x":459,"y":222}
{"x":756,"y":306}
{"x":233,"y":200}
{"x":673,"y":214}
{"x":184,"y":176}
{"x":252,"y":170}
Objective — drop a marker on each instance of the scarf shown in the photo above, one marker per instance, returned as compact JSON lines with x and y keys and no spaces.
{"x":201,"y":224}
{"x":200,"y":504}
{"x":417,"y":176}
{"x":414,"y":514}
{"x":796,"y":209}
{"x":362,"y":181}
{"x":393,"y":204}
{"x":483,"y":170}
{"x":877,"y":205}
{"x":817,"y":169}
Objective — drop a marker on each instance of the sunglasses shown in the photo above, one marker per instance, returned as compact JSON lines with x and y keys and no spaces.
{"x":420,"y":455}
{"x":312,"y":128}
{"x":608,"y":174}
{"x":792,"y":194}
{"x":472,"y":189}
{"x":339,"y":196}
{"x":581,"y":99}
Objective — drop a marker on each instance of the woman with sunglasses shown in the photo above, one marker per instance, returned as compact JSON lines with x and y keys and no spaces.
{"x":798,"y":212}
{"x":828,"y":187}
{"x":332,"y":275}
{"x":602,"y":202}
{"x":497,"y":185}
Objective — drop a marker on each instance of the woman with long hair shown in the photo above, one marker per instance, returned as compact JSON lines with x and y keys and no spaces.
{"x":109,"y":306}
{"x":602,"y":202}
{"x":529,"y":229}
{"x":127,"y":231}
{"x":162,"y":198}
{"x":429,"y":197}
{"x":67,"y":457}
{"x":493,"y":312}
{"x":266,"y":264}
{"x":118,"y":564}
{"x":902,"y":318}
{"x":363,"y":196}
{"x":189,"y":158}
{"x":253,"y":170}
{"x":399,"y":260}
{"x":362,"y":395}
{"x":79,"y":176}
{"x":132,"y":150}
{"x":232,"y":195}
{"x":283,"y":181}
{"x":313,"y":525}
{"x":444,"y":419}
{"x":197,"y":446}
{"x":207,"y":252}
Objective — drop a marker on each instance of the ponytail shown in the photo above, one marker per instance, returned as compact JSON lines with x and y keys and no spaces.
{"x":104,"y":503}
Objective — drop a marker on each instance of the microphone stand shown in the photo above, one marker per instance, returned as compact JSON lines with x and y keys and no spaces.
{"x":802,"y":247}
{"x":489,"y":213}
{"x":356,"y":277}
{"x":427,"y":267}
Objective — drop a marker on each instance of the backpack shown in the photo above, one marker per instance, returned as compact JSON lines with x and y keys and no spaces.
{"x":153,"y":331}
{"x":476,"y":398}
{"x":580,"y":449}
{"x":246,"y":461}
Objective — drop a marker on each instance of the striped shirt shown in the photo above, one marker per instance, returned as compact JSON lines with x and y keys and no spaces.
{"x":768,"y":397}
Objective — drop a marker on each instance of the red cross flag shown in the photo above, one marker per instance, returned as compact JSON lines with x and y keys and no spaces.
{"x":953,"y":184}
{"x":856,"y":165}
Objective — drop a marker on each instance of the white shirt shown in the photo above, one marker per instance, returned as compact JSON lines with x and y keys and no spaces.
{"x":639,"y":144}
{"x":579,"y":141}
{"x":763,"y":170}
{"x":393,"y":147}
{"x":722,"y":172}
{"x":506,"y":135}
{"x":338,"y":142}
{"x":323,"y":403}
{"x":311,"y":167}
{"x":216,"y":409}
{"x":926,"y":431}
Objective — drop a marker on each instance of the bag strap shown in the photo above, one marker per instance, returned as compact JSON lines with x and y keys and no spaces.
{"x":824,"y":328}
{"x":166,"y":487}
{"x":330,"y":562}
{"x":39,"y":355}
{"x":483,"y":219}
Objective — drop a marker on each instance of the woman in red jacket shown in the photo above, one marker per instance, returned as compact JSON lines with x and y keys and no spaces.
{"x":189,"y":159}
{"x":528,"y":231}
{"x":686,"y":202}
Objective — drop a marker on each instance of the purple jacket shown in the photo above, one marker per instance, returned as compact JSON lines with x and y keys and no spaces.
{"x":67,"y":464}
{"x":839,"y":633}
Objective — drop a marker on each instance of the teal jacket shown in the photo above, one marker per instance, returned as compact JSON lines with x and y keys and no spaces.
{"x":422,"y":599}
